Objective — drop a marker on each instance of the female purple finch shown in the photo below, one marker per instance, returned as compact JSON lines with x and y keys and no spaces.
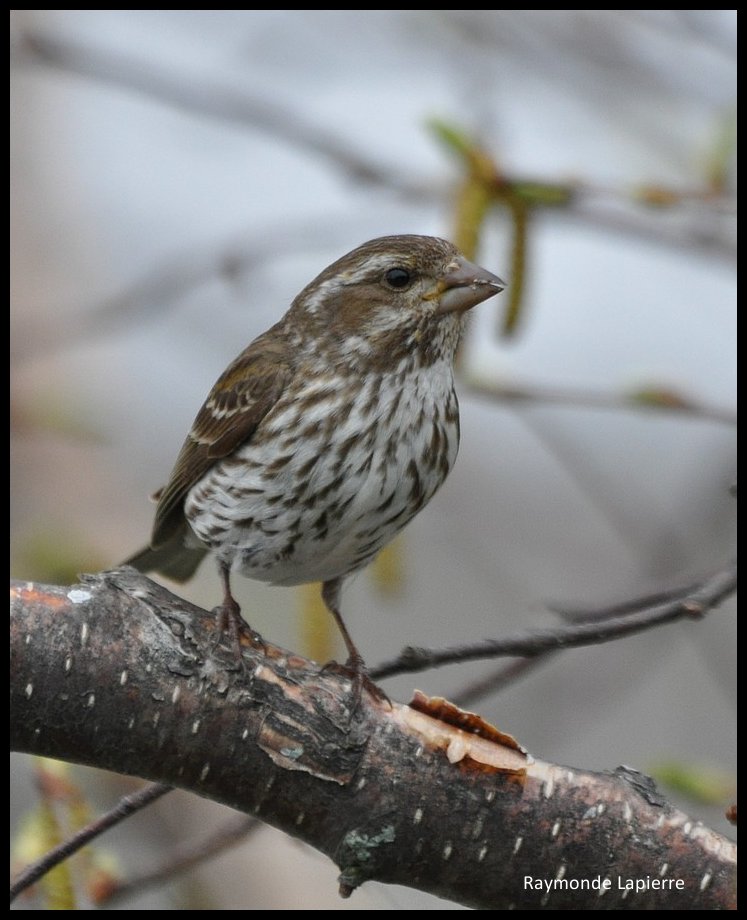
{"x":329,"y":432}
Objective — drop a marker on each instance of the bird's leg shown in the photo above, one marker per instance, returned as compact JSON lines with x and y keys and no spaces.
{"x":228,"y":615}
{"x":355,"y":663}
{"x":331,"y":598}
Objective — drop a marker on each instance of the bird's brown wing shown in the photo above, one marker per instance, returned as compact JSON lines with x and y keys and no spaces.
{"x":238,"y":402}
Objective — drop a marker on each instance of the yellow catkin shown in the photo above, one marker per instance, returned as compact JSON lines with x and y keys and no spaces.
{"x":40,"y":832}
{"x":519,"y":211}
{"x":319,"y":634}
{"x":388,"y":569}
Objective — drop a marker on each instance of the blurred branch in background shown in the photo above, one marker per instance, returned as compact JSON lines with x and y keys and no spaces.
{"x":652,"y":398}
{"x":486,"y":186}
{"x":210,"y":101}
{"x":158,"y":290}
{"x":185,"y":857}
{"x":55,"y":859}
{"x":698,"y":219}
{"x":104,"y":890}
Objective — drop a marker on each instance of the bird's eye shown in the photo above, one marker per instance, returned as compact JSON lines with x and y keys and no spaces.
{"x":398,"y":278}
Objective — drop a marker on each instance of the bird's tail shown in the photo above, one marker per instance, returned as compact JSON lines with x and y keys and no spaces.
{"x":173,"y":559}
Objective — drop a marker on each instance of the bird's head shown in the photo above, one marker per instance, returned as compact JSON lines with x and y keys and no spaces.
{"x":392,"y":294}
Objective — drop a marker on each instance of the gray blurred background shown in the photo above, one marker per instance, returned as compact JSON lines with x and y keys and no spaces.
{"x":178,"y":176}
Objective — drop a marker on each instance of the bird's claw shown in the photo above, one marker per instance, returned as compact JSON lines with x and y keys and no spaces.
{"x":228,"y":619}
{"x":355,"y":669}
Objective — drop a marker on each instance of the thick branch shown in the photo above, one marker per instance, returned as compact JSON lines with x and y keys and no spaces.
{"x":118,"y":673}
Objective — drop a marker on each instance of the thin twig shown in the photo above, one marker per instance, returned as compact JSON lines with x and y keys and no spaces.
{"x":509,"y":674}
{"x":600,"y":614}
{"x":689,"y":232}
{"x":152,"y":294}
{"x":574,"y":463}
{"x":711,"y":592}
{"x":127,"y":806}
{"x":652,"y":400}
{"x":495,"y":681}
{"x":623,"y":215}
{"x":184,"y":858}
{"x":210,"y":100}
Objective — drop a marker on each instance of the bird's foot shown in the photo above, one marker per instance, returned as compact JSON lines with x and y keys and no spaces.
{"x":355,"y":669}
{"x":228,"y":620}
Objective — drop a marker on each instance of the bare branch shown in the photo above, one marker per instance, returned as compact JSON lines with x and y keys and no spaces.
{"x":495,"y":681}
{"x":509,"y":674}
{"x":185,"y":858}
{"x":707,"y":595}
{"x":215,"y":101}
{"x":651,"y":399}
{"x":157,"y":290}
{"x":128,"y":805}
{"x":574,"y":615}
{"x":421,"y":795}
{"x":692,"y":220}
{"x":697,"y":230}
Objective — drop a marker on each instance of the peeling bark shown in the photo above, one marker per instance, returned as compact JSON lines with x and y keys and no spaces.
{"x":120,"y":674}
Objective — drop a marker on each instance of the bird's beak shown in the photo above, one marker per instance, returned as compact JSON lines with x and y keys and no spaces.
{"x":462,"y":286}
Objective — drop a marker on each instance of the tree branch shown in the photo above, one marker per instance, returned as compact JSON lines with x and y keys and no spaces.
{"x":648,"y":400}
{"x":694,"y":221}
{"x":156,"y":291}
{"x":592,"y":631}
{"x":118,"y":673}
{"x":507,"y":674}
{"x":215,"y":101}
{"x":126,"y":806}
{"x":186,"y":857}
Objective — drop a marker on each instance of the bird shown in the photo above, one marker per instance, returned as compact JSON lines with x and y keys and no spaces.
{"x":328,"y":433}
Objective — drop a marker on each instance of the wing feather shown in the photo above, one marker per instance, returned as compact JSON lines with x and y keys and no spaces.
{"x":240,"y":399}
